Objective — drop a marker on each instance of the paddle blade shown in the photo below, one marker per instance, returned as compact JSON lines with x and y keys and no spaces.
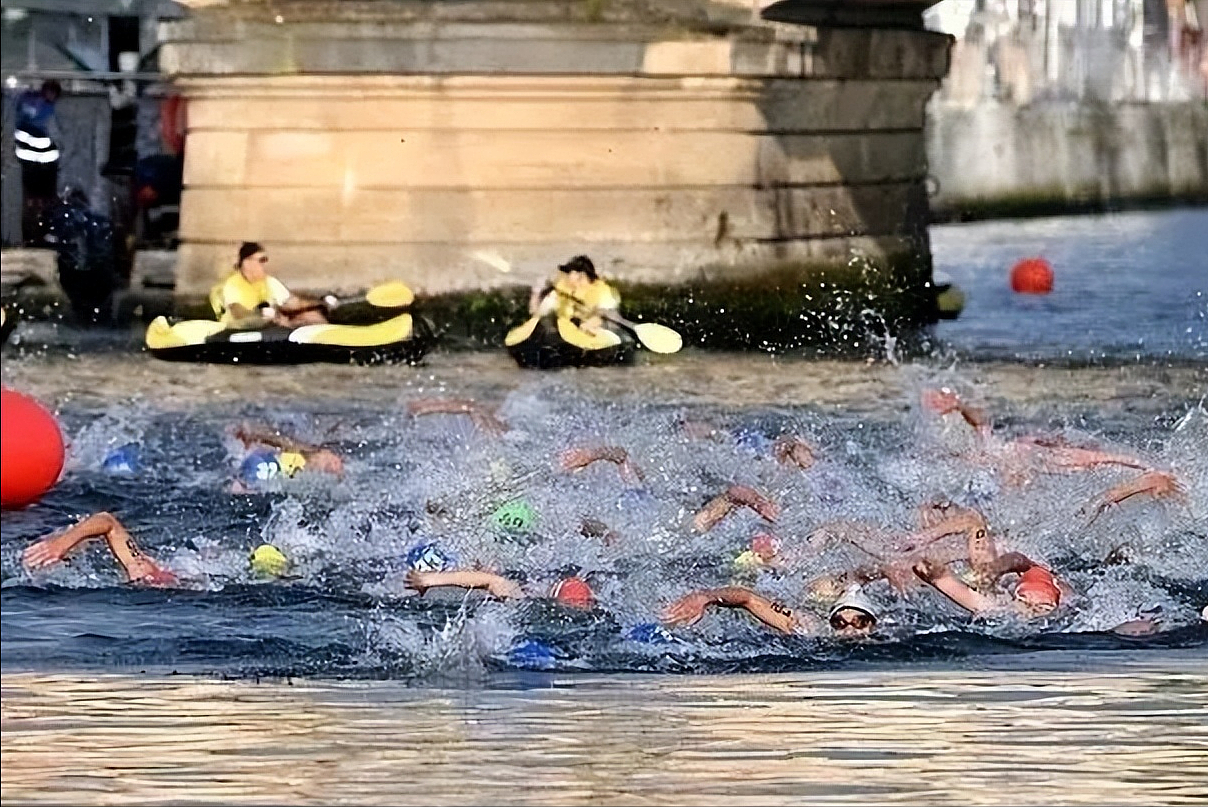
{"x":493,"y":258}
{"x":658,"y":338}
{"x":521,"y":332}
{"x":394,"y":294}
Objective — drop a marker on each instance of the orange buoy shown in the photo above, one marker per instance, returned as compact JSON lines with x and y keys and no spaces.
{"x":31,"y":450}
{"x":1032,"y":276}
{"x":573,"y":591}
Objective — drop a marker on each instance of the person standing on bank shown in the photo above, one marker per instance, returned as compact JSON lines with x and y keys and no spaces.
{"x":36,"y":145}
{"x":252,"y":298}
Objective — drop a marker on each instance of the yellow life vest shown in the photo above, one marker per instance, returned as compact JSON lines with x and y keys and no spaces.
{"x":237,"y":290}
{"x":568,"y":304}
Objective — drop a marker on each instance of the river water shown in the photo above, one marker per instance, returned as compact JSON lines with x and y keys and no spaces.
{"x":340,"y":685}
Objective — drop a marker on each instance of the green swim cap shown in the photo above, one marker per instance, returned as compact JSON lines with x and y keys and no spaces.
{"x":268,"y":561}
{"x":515,"y":518}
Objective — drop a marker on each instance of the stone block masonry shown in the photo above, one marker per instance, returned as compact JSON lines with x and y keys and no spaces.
{"x":369,"y":140}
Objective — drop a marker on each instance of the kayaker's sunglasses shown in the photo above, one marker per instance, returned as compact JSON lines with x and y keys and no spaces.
{"x":262,"y":259}
{"x":860,"y":621}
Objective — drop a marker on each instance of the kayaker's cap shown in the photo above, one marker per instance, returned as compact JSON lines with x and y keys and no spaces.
{"x":580,"y":263}
{"x":246,"y":250}
{"x":853,"y":599}
{"x":260,"y":466}
{"x":1037,"y":587}
{"x":573,"y":591}
{"x":269,"y":561}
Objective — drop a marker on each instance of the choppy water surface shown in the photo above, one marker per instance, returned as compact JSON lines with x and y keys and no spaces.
{"x":763,"y":717}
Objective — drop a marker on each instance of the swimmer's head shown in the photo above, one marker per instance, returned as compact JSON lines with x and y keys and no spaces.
{"x":575,"y":592}
{"x":853,"y":613}
{"x":429,"y":557}
{"x":765,"y":547}
{"x":941,"y":401}
{"x":290,"y":462}
{"x":259,"y":466}
{"x":1038,"y":591}
{"x":269,"y":561}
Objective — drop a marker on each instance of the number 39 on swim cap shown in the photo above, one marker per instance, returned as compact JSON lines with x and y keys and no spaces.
{"x":515,"y":518}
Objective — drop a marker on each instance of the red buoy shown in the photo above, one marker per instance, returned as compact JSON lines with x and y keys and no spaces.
{"x":31,"y":450}
{"x":1032,"y":276}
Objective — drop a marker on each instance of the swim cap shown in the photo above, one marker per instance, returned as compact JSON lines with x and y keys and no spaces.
{"x":855,"y":599}
{"x":428,"y":558}
{"x":649,"y":633}
{"x":515,"y":518}
{"x":268,"y":561}
{"x":753,"y":439}
{"x":260,"y":466}
{"x":1037,"y":585}
{"x":531,"y":654}
{"x":122,"y":460}
{"x":765,"y":546}
{"x":573,"y":591}
{"x":291,"y":462}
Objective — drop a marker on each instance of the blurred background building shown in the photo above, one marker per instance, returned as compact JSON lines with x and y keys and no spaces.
{"x":1052,"y":103}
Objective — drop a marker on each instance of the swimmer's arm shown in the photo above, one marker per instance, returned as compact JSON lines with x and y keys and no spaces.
{"x":955,"y":525}
{"x":945,"y":582}
{"x":252,"y":435}
{"x":54,"y":548}
{"x":1012,"y":563}
{"x":688,"y":609}
{"x":497,"y":585}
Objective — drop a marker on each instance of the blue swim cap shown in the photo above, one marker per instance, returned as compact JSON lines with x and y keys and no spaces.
{"x":649,"y":633}
{"x":260,"y":466}
{"x":532,"y":655}
{"x":753,"y":439}
{"x":429,"y":558}
{"x":122,"y":460}
{"x":634,"y":497}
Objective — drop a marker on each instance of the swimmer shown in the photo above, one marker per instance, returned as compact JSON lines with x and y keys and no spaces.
{"x":1158,"y":484}
{"x":787,"y":449}
{"x":569,"y":590}
{"x":139,"y":569}
{"x":483,"y":418}
{"x":576,"y":459}
{"x":1023,"y":456}
{"x":294,"y":454}
{"x":734,"y":497}
{"x":851,"y":615}
{"x":1037,"y":592}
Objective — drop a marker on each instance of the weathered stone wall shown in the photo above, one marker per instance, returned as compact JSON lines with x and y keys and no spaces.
{"x":384,"y":141}
{"x":996,"y":158}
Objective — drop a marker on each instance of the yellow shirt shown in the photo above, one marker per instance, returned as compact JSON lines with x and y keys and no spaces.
{"x":599,"y":296}
{"x":238,"y":291}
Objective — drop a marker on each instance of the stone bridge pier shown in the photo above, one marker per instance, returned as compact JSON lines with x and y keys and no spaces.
{"x":676,"y":142}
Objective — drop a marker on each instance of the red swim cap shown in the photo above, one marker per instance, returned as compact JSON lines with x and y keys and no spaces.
{"x":1038,"y":585}
{"x":574,"y":592}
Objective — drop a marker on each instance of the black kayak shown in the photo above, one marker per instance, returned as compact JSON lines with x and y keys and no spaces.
{"x":401,"y":339}
{"x":549,"y":343}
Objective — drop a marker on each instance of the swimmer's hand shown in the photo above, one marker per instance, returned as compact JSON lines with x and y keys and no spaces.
{"x":794,"y":451}
{"x":929,"y":570}
{"x":940,"y":401}
{"x":687,"y":610}
{"x":743,"y":496}
{"x":47,"y":552}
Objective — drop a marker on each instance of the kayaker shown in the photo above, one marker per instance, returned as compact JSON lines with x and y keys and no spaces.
{"x":252,"y":298}
{"x":577,"y":294}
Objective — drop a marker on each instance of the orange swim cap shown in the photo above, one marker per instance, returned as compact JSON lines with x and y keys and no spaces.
{"x":1038,"y":585}
{"x":574,"y":592}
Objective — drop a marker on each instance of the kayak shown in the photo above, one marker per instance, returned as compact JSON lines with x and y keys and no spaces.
{"x":401,"y":339}
{"x":7,"y":324}
{"x":549,"y":343}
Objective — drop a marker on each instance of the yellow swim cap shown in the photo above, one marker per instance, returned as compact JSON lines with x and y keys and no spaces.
{"x":291,"y":462}
{"x":268,"y":560}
